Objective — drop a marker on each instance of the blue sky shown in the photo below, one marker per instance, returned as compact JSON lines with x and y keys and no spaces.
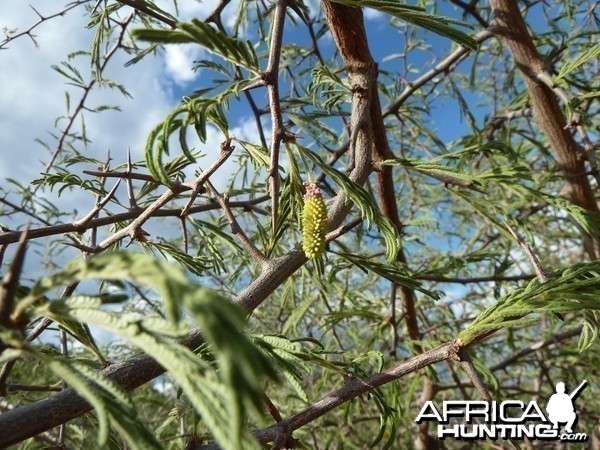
{"x":33,"y":94}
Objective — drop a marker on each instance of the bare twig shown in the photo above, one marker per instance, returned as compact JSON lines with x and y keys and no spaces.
{"x":470,"y":9}
{"x":29,"y":32}
{"x":215,"y":15}
{"x":491,"y":278}
{"x":278,"y":132}
{"x":84,"y":221}
{"x":87,"y":89}
{"x":53,"y":230}
{"x":252,"y":250}
{"x":197,"y":185}
{"x":467,"y":365}
{"x":535,"y":262}
{"x":333,"y":235}
{"x":130,"y":194}
{"x":25,"y":388}
{"x":550,"y":342}
{"x":443,"y":66}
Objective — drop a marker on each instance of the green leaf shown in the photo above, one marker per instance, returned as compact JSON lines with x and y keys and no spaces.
{"x":591,"y":53}
{"x":417,"y":16}
{"x":258,"y":154}
{"x":220,"y":394}
{"x":233,"y":50}
{"x":576,"y":288}
{"x":390,"y":271}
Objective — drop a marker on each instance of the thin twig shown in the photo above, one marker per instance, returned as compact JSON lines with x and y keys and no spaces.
{"x":470,"y":9}
{"x":488,"y":279}
{"x":442,"y":67}
{"x":87,"y":89}
{"x":467,"y":365}
{"x":124,"y":175}
{"x":278,"y":132}
{"x":84,"y":221}
{"x":130,"y":193}
{"x":551,"y":341}
{"x":26,"y":388}
{"x":197,"y":185}
{"x":539,"y":270}
{"x":52,"y":230}
{"x":252,"y":250}
{"x":28,"y":32}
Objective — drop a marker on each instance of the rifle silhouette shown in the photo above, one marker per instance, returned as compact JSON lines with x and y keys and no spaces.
{"x":579,"y":388}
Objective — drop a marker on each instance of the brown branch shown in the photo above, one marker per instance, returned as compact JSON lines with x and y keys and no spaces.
{"x":467,"y":365}
{"x":25,"y":388}
{"x":470,"y":9}
{"x":10,"y":284}
{"x":352,"y":389}
{"x":84,"y":221}
{"x":443,"y":66}
{"x":197,"y":184}
{"x":53,"y":230}
{"x":252,"y":250}
{"x":134,"y":229}
{"x":535,"y":262}
{"x":278,"y":132}
{"x":491,"y":278}
{"x":537,"y":346}
{"x":130,"y":194}
{"x":511,"y":28}
{"x":215,"y":15}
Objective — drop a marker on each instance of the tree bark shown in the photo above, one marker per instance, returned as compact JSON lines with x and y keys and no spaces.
{"x":510,"y":27}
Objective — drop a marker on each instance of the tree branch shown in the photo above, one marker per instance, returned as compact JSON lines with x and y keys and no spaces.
{"x":511,"y":28}
{"x":278,"y":132}
{"x":353,"y":388}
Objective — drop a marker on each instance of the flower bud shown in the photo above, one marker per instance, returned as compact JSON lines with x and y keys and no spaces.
{"x":314,"y":222}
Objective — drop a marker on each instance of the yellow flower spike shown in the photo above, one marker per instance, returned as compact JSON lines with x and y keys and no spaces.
{"x":314,"y":222}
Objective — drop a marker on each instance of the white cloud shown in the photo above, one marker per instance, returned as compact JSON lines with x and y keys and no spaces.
{"x":373,"y":14}
{"x":179,"y":61}
{"x":33,"y":93}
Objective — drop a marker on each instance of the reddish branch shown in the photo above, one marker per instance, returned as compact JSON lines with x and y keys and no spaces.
{"x":350,"y":35}
{"x":511,"y":28}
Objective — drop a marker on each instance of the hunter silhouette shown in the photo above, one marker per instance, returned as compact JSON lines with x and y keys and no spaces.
{"x":560,"y":407}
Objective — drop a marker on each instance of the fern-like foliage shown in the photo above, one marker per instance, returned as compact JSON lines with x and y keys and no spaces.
{"x":231,"y":49}
{"x":220,"y":390}
{"x":576,"y":288}
{"x":419,"y":17}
